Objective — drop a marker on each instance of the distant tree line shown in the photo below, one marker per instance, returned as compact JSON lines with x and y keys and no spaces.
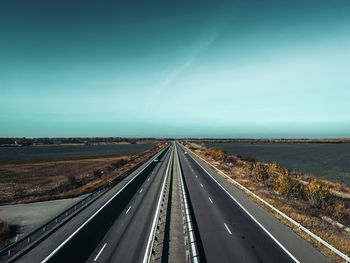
{"x":252,"y":141}
{"x":73,"y":140}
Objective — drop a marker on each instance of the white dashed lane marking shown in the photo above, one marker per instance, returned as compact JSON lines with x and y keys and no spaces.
{"x":99,"y":253}
{"x":228,"y":230}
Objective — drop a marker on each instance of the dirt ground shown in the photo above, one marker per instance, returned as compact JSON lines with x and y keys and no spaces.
{"x":30,"y":182}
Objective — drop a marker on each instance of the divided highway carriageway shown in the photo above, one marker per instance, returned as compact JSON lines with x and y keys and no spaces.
{"x":174,"y":208}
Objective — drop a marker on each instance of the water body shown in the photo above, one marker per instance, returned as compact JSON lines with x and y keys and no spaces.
{"x":325,"y":160}
{"x":68,"y":151}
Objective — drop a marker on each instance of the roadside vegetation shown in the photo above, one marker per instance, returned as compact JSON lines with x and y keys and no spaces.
{"x":41,"y":181}
{"x":252,"y":141}
{"x":321,"y":206}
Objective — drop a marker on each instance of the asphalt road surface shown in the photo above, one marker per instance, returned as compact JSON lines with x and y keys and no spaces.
{"x":113,"y":228}
{"x":227,"y":231}
{"x":126,"y":240}
{"x":229,"y":226}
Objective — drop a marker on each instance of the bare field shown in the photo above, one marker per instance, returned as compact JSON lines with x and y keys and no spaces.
{"x":328,"y":161}
{"x":29,"y":182}
{"x":62,"y":152}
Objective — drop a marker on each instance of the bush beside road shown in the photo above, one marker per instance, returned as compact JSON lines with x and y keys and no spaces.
{"x":302,"y":197}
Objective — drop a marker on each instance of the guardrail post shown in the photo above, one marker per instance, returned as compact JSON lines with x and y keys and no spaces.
{"x":80,"y":204}
{"x":307,"y":231}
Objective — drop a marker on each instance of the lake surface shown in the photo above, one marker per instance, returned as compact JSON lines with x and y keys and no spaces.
{"x":329,"y":161}
{"x":68,"y":151}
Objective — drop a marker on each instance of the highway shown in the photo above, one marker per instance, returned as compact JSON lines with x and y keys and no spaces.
{"x":115,"y":228}
{"x":230,"y":231}
{"x":121,"y":225}
{"x":128,"y":235}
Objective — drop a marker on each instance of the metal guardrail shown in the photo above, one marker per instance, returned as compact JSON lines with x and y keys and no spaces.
{"x":41,"y":232}
{"x":323,"y":242}
{"x":192,"y":243}
{"x":151,"y":240}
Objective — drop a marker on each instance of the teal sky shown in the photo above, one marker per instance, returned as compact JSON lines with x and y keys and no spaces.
{"x":175,"y":68}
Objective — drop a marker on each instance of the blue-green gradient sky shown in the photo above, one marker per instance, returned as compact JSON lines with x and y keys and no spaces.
{"x":175,"y":68}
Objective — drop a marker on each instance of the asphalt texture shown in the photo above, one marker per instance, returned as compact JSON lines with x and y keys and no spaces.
{"x":117,"y":226}
{"x":27,"y":217}
{"x":82,"y":246}
{"x":127,"y":238}
{"x":227,"y":232}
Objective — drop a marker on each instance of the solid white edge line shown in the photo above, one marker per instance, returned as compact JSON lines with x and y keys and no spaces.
{"x":194,"y":252}
{"x":91,"y":217}
{"x":191,"y":237}
{"x":127,"y":211}
{"x":228,"y":230}
{"x":152,"y":234}
{"x":99,"y":253}
{"x":245,"y":210}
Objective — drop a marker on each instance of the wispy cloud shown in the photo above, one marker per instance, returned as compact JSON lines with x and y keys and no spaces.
{"x":201,"y":44}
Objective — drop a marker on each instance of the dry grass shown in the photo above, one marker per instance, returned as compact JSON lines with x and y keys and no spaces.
{"x":282,"y":188}
{"x":40,"y":181}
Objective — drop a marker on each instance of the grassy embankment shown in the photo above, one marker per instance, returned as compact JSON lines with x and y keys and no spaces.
{"x":309,"y":201}
{"x":49,"y":180}
{"x":273,"y":141}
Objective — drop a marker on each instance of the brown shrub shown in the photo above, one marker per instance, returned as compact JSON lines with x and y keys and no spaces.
{"x":318,"y":194}
{"x":119,"y":163}
{"x":286,"y":185}
{"x":310,"y":200}
{"x":260,"y":172}
{"x":98,"y":173}
{"x":274,"y":168}
{"x":231,"y":159}
{"x":340,"y":212}
{"x":217,"y":154}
